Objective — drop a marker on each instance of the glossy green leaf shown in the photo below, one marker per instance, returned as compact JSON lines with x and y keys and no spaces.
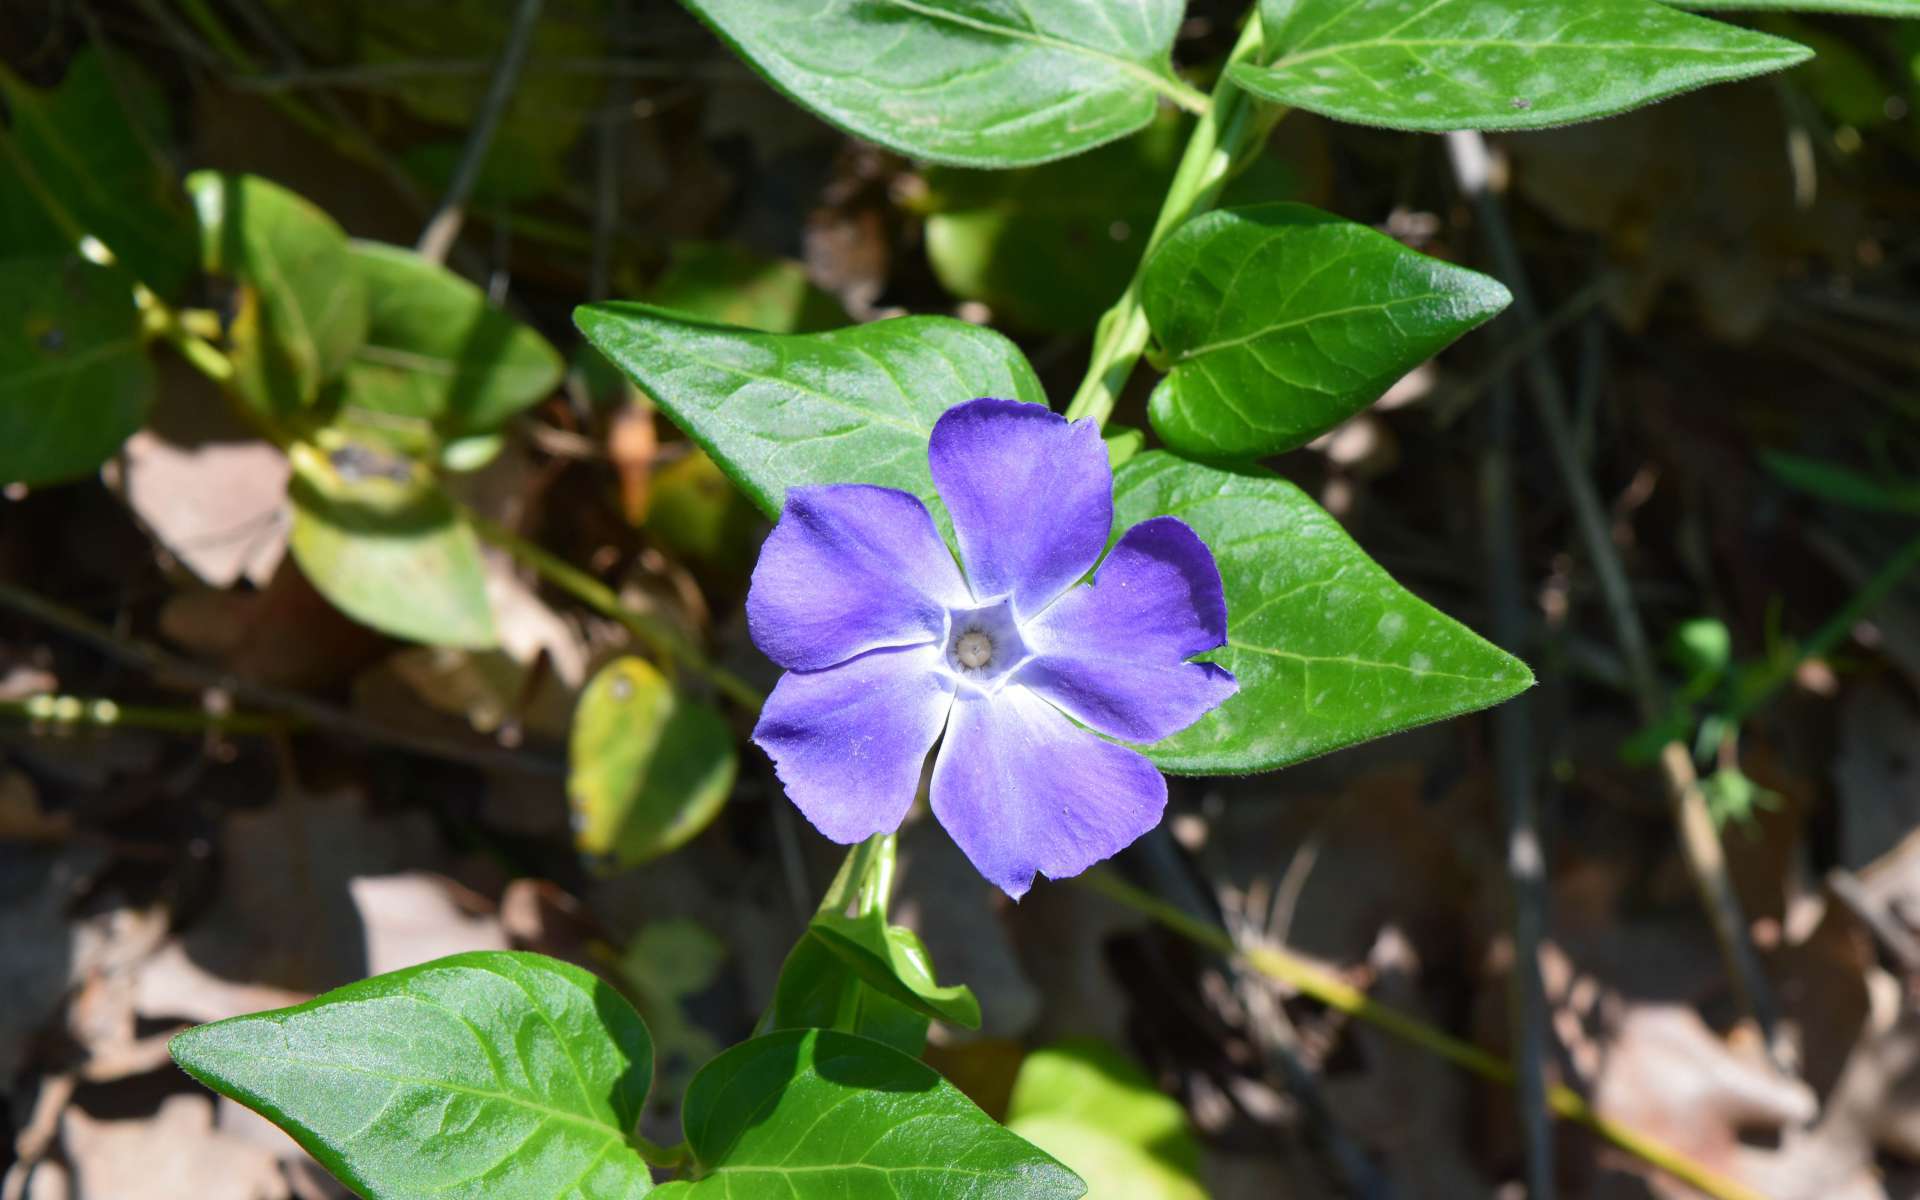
{"x":493,"y":1074}
{"x":960,"y":81}
{"x":1328,"y":649}
{"x":387,"y":547}
{"x":719,"y":281}
{"x":301,"y":305}
{"x":648,"y":768}
{"x":1868,"y":8}
{"x":860,"y":975}
{"x":817,"y":991}
{"x":819,"y":1115}
{"x":774,"y":410}
{"x":74,"y":379}
{"x":92,"y":148}
{"x":1093,"y":1109}
{"x":1494,"y":64}
{"x":437,"y":353}
{"x":1280,"y":321}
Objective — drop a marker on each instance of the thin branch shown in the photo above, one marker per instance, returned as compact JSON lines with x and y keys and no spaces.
{"x":444,"y":225}
{"x":1516,"y":777}
{"x":158,"y":662}
{"x":71,"y":712}
{"x":1335,"y":993}
{"x":659,"y":635}
{"x":1699,"y":841}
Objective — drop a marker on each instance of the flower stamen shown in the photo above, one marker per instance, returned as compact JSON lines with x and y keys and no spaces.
{"x":974,"y":649}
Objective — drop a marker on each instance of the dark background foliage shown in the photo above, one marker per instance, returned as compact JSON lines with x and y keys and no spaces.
{"x":1719,"y":280}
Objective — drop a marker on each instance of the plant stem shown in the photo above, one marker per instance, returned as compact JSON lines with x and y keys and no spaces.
{"x":865,"y":876}
{"x":1699,"y":841}
{"x":655,"y":1155}
{"x":71,"y":711}
{"x":1309,"y":980}
{"x":1232,"y":123}
{"x":345,"y":138}
{"x":1831,"y":634}
{"x":161,"y":663}
{"x":444,"y":225}
{"x":661,"y":636}
{"x":1516,"y":778}
{"x":203,"y":356}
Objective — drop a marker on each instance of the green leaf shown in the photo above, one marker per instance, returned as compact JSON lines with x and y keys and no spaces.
{"x":92,"y":148}
{"x":493,"y":1074}
{"x":74,"y":379}
{"x":1869,"y":8}
{"x":721,"y":282}
{"x":819,"y":1115}
{"x":1836,"y":483}
{"x":387,"y":547}
{"x":1096,"y":1111}
{"x":775,"y":410}
{"x":648,"y":768}
{"x":1328,"y":649}
{"x":960,"y":81}
{"x":1494,"y":64}
{"x":302,"y":305}
{"x":665,"y":967}
{"x":860,"y":975}
{"x":437,"y":352}
{"x":1281,"y":321}
{"x":818,"y":991}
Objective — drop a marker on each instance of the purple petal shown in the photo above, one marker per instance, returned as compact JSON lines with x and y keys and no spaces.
{"x":1022,"y":789}
{"x":1031,"y":497}
{"x":850,"y":568}
{"x":1111,"y":654}
{"x":849,"y":742}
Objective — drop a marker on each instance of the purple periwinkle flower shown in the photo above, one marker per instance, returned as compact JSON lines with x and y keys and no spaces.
{"x":888,"y":646}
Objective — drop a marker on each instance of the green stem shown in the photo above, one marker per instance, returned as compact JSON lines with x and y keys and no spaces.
{"x":665,"y":1157}
{"x":109,"y":714}
{"x":659,"y":635}
{"x":1232,"y":123}
{"x":865,"y":876}
{"x":1304,"y":977}
{"x":205,"y":357}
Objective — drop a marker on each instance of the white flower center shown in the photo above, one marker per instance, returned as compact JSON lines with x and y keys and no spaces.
{"x":974,"y":649}
{"x":984,"y":646}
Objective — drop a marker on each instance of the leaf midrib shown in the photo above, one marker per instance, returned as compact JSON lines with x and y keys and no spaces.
{"x":1354,"y":660}
{"x":1151,"y":78}
{"x":556,"y":1114}
{"x":1296,"y":322}
{"x":827,"y":1168}
{"x":1294,"y":60}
